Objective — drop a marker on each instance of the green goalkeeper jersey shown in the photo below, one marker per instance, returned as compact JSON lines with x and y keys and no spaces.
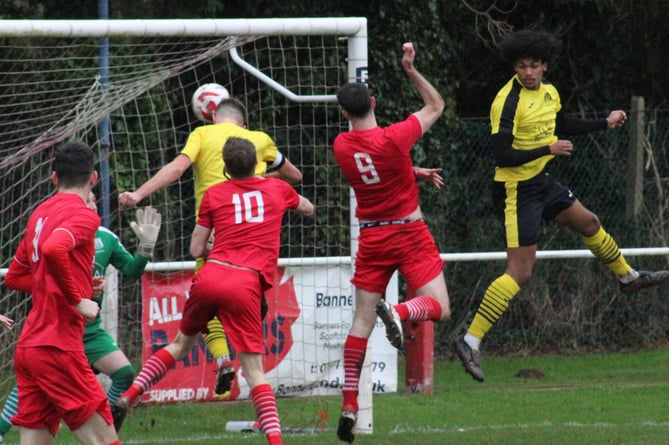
{"x":109,"y":250}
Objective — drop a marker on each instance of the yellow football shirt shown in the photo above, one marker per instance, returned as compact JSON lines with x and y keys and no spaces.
{"x":530,"y":115}
{"x":204,"y":148}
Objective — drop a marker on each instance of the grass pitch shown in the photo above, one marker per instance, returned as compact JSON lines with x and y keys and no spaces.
{"x":607,"y":398}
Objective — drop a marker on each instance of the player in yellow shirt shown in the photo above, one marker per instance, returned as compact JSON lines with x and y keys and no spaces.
{"x":526,"y":118}
{"x":203,"y":151}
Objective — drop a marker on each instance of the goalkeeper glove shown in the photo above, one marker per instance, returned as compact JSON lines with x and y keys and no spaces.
{"x":146,"y":229}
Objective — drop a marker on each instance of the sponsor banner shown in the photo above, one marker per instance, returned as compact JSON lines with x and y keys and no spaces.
{"x":310,"y":313}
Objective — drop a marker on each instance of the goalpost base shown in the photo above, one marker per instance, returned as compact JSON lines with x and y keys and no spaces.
{"x":419,"y":350}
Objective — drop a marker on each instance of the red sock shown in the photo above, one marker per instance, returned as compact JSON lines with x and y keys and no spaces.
{"x":354,"y":356}
{"x":132,"y":393}
{"x":154,"y":369}
{"x":274,"y":439}
{"x":118,"y":442}
{"x":266,"y":412}
{"x":419,"y":308}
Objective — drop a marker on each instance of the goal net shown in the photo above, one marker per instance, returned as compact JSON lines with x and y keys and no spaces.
{"x":125,"y":88}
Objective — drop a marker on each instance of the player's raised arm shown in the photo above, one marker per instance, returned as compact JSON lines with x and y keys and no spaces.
{"x":434,"y":103}
{"x":165,"y":176}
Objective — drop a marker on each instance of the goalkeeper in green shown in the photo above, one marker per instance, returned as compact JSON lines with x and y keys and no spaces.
{"x":103,"y":353}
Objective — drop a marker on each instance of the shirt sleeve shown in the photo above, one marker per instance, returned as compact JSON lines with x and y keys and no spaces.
{"x":204,"y":216}
{"x":290,"y":196}
{"x":129,"y":265}
{"x":405,"y":134}
{"x":268,"y":153}
{"x":19,"y":277}
{"x":193,"y":144}
{"x":575,"y":126}
{"x":55,"y":251}
{"x":278,"y":162}
{"x":80,"y":228}
{"x":507,"y":156}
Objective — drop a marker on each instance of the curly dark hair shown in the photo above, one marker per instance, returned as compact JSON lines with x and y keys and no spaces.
{"x":539,"y":45}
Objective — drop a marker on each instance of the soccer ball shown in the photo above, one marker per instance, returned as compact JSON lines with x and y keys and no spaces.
{"x":205,"y":100}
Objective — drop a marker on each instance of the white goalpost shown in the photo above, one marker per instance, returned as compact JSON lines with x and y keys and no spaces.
{"x":124,"y":86}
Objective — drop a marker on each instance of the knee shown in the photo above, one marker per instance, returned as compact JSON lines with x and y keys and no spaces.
{"x":124,"y":374}
{"x":523,"y":277}
{"x":592,"y":225}
{"x":445,"y":309}
{"x":520,"y":271}
{"x":445,"y":313}
{"x":363,"y":323}
{"x":180,"y":346}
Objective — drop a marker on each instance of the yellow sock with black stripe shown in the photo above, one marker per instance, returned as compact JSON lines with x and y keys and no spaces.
{"x":604,"y":247}
{"x":216,"y":340}
{"x":495,"y":301}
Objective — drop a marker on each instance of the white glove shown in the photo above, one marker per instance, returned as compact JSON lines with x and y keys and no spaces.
{"x":146,"y":229}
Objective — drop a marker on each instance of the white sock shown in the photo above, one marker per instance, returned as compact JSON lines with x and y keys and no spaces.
{"x":472,"y":341}
{"x":629,"y":276}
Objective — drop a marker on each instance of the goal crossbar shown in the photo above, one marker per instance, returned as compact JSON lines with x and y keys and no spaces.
{"x":183,"y":27}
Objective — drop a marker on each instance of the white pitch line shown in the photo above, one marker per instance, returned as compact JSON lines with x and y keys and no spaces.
{"x":404,"y":429}
{"x":400,"y":429}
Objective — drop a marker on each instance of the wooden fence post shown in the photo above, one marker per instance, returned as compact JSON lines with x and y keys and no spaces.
{"x":634,"y":195}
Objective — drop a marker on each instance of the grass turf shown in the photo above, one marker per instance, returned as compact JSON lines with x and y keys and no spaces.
{"x":608,"y":398}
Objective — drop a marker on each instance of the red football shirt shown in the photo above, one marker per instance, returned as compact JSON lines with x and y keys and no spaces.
{"x":53,"y":321}
{"x":246,"y":217}
{"x":377,"y":164}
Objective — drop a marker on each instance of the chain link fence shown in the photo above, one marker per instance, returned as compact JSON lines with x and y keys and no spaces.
{"x":570,"y":304}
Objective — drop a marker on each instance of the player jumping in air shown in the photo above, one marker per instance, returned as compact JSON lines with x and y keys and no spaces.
{"x":526,"y":118}
{"x":393,"y":235}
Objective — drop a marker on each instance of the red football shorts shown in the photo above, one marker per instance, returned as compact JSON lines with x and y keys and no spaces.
{"x":408,"y":248}
{"x":232,"y":294}
{"x":54,"y":385}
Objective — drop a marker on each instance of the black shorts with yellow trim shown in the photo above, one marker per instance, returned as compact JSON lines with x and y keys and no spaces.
{"x":523,"y":204}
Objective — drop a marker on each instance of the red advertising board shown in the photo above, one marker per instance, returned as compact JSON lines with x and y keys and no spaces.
{"x":193,"y":378}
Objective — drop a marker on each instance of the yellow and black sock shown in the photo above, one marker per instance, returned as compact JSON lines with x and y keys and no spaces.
{"x":495,"y":301}
{"x":604,"y":247}
{"x":216,"y":340}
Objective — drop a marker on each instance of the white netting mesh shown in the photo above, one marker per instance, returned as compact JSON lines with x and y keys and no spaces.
{"x":51,"y":91}
{"x":46,"y":100}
